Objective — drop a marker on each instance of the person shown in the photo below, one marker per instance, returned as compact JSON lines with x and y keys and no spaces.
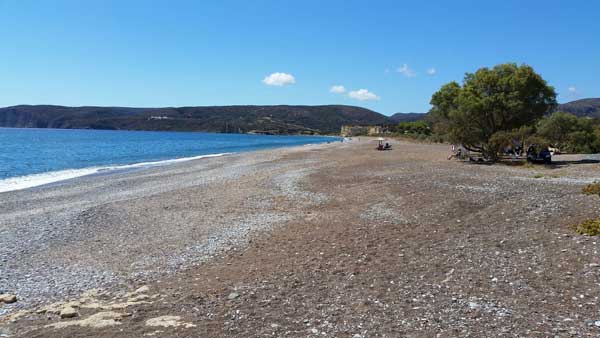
{"x":454,"y":154}
{"x":451,"y":152}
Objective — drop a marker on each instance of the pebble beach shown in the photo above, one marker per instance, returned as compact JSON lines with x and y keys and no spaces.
{"x":329,"y":240}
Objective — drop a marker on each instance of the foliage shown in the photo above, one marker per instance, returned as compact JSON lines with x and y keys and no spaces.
{"x":418,"y":127}
{"x":237,"y":119}
{"x":589,"y":227}
{"x":569,"y":133}
{"x":592,"y":189}
{"x":511,"y":139}
{"x":497,"y":100}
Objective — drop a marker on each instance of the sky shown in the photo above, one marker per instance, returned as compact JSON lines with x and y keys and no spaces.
{"x":388,"y":56}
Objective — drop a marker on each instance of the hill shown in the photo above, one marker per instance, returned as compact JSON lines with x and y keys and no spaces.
{"x":407,"y":117}
{"x":281,"y":119}
{"x":582,"y":108}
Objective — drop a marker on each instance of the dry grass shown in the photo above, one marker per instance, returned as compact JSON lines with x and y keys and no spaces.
{"x":592,"y":189}
{"x":589,"y":227}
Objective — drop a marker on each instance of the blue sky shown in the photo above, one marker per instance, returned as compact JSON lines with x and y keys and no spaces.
{"x":389,"y":56}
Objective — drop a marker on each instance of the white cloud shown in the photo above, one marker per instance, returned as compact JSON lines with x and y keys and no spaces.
{"x":431,"y":71}
{"x":279,"y":79}
{"x":363,"y":95}
{"x":406,"y":71}
{"x":338,"y":89}
{"x":572,"y":90}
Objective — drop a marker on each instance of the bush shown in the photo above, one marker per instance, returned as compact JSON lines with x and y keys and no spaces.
{"x":589,"y":227}
{"x":592,"y":189}
{"x":569,"y":133}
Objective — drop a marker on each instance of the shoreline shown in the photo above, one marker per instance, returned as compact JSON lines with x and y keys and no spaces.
{"x":67,"y":221}
{"x":17,"y":183}
{"x":54,"y":177}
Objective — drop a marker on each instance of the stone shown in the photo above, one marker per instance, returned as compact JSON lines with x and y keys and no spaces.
{"x":474,"y":306}
{"x":8,"y":298}
{"x":233,"y":296}
{"x":168,"y":321}
{"x":142,"y":289}
{"x":98,"y":320}
{"x":68,"y":312}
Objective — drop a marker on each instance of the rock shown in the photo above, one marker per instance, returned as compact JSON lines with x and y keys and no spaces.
{"x":68,"y":312}
{"x":274,"y":326}
{"x":474,"y":306}
{"x":8,"y":298}
{"x":142,"y":289}
{"x":357,"y":336}
{"x":597,"y":323}
{"x":233,"y":296}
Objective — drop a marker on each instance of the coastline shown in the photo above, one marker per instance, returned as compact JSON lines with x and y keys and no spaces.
{"x":54,"y":177}
{"x":56,"y":210}
{"x":340,"y":236}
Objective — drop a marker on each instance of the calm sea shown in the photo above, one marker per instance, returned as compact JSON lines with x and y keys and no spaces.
{"x":32,"y":157}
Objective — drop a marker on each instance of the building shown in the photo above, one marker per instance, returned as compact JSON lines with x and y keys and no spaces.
{"x":352,"y":130}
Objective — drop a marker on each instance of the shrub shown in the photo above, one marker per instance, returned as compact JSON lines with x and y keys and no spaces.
{"x":589,"y":227}
{"x":592,"y":189}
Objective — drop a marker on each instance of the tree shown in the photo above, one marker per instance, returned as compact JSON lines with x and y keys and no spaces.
{"x":417,"y":127}
{"x":568,"y":132}
{"x":501,"y":99}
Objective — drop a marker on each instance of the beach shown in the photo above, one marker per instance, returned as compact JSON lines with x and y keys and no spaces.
{"x":329,"y":240}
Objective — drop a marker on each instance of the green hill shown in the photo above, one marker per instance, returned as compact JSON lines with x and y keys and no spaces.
{"x":228,"y":119}
{"x":582,"y":108}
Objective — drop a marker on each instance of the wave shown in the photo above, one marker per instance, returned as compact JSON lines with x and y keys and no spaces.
{"x":35,"y":180}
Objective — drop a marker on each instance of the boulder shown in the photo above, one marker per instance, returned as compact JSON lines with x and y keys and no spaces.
{"x":68,"y":312}
{"x":8,"y":298}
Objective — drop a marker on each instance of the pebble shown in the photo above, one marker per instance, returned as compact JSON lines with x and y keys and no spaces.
{"x":8,"y":298}
{"x":68,"y":312}
{"x":233,"y":295}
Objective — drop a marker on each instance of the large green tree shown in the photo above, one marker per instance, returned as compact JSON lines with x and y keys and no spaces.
{"x":497,"y":100}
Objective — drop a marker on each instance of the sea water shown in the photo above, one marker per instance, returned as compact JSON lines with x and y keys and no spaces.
{"x":33,"y":157}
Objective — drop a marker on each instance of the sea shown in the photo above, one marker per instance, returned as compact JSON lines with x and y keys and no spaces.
{"x":33,"y":157}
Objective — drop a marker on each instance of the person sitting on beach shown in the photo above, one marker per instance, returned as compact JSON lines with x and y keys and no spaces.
{"x":456,"y":154}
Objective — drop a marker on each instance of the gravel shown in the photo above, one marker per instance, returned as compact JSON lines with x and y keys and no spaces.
{"x":100,"y":231}
{"x":336,"y":241}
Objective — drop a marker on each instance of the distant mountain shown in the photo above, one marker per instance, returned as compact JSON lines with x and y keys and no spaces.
{"x":407,"y":117}
{"x":582,"y":108}
{"x":228,"y":119}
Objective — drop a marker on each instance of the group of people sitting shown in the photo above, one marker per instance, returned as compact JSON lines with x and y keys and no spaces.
{"x":382,"y":146}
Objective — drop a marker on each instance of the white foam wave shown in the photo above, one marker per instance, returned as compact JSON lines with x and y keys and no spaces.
{"x":35,"y":180}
